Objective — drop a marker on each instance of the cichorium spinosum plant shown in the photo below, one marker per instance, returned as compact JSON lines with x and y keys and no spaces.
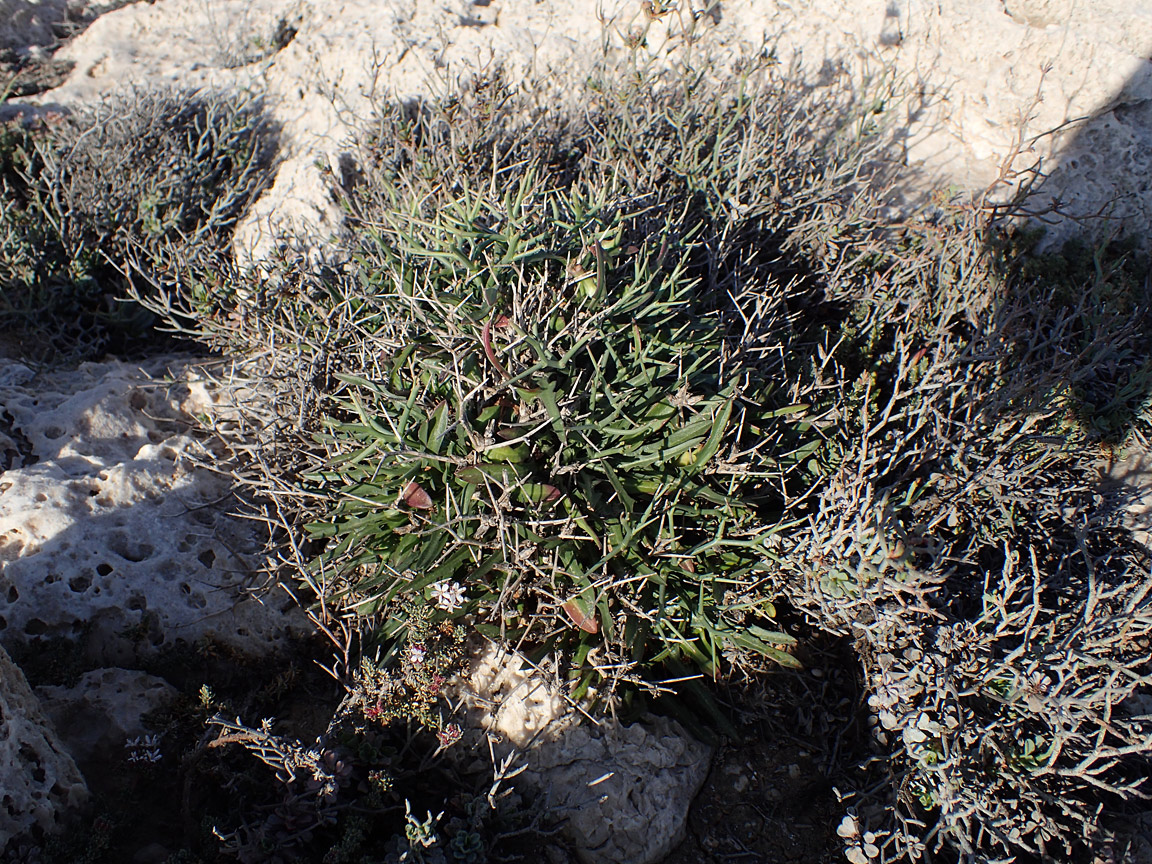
{"x":560,"y":420}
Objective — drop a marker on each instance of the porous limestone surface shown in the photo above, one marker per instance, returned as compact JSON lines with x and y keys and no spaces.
{"x":993,"y":87}
{"x":111,"y":528}
{"x":39,"y":781}
{"x":622,"y":791}
{"x":98,"y":716}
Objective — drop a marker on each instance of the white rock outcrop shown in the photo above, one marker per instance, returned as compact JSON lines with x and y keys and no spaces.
{"x":109,"y":529}
{"x":1127,"y":481}
{"x":623,"y":792}
{"x":103,"y":711}
{"x":39,"y":781}
{"x":995,"y":87}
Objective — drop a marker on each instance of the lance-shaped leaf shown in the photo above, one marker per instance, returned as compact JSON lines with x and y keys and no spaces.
{"x":477,"y":474}
{"x":582,"y":614}
{"x":415,"y":497}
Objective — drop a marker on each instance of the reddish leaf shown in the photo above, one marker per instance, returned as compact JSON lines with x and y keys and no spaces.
{"x":582,"y":615}
{"x":548,"y":492}
{"x":486,"y":341}
{"x":540,"y":493}
{"x":415,"y":496}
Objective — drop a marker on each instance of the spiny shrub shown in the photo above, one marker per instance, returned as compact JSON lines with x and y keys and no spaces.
{"x":571,"y":393}
{"x":1105,"y":296}
{"x":559,"y":421}
{"x":145,"y":188}
{"x":1001,"y":615}
{"x":629,"y":380}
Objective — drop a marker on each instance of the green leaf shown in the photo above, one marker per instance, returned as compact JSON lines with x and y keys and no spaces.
{"x":498,"y":472}
{"x":441,"y":418}
{"x":712,"y":445}
{"x":509,"y":453}
{"x":539,"y":493}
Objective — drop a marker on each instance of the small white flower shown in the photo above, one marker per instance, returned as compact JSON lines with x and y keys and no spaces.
{"x":416,"y":654}
{"x":861,"y":848}
{"x":849,"y":827}
{"x":449,"y":596}
{"x":146,"y":749}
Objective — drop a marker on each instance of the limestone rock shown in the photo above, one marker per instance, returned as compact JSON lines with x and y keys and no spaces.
{"x":112,"y":530}
{"x":39,"y":782}
{"x":995,"y":87}
{"x":1128,"y":484}
{"x":98,"y":716}
{"x":623,"y":791}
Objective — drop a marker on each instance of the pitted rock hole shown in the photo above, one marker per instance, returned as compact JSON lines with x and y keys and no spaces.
{"x":53,"y":432}
{"x":195,"y":599}
{"x":30,"y":757}
{"x":207,"y":558}
{"x":80,"y":583}
{"x":128,"y":549}
{"x":137,"y":603}
{"x":104,"y":569}
{"x":138,"y":400}
{"x":35,"y":627}
{"x":10,"y":547}
{"x":151,"y":620}
{"x":13,"y":594}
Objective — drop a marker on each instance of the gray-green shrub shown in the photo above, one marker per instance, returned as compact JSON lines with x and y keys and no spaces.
{"x":947,"y":520}
{"x":141,"y":188}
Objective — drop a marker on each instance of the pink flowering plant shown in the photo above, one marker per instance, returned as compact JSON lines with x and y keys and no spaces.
{"x":412,"y":687}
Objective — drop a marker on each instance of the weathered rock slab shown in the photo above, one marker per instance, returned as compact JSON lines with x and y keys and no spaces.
{"x":622,"y":791}
{"x":39,"y":781}
{"x":98,"y":716}
{"x":112,"y":527}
